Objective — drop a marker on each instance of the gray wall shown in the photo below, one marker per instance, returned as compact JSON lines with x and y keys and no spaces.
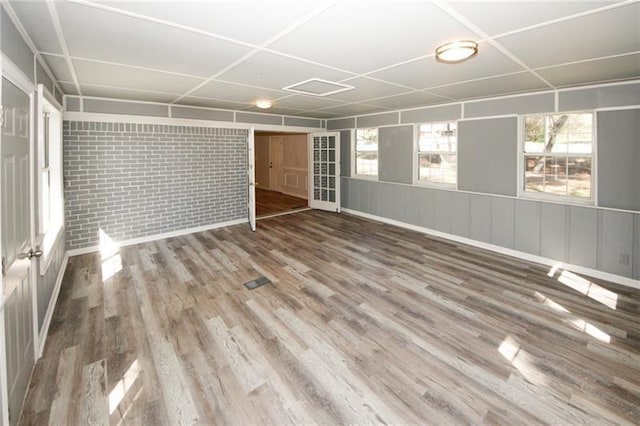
{"x":487,"y":155}
{"x":14,"y":46}
{"x":345,"y":153}
{"x":17,"y":50}
{"x":486,"y":208}
{"x":395,"y":150}
{"x":137,"y":180}
{"x":585,"y":236}
{"x":619,"y":159}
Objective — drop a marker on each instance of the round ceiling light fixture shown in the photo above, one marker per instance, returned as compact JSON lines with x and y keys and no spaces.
{"x":264,"y":103}
{"x":456,"y":51}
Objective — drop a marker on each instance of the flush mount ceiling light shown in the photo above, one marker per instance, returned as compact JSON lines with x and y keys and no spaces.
{"x":456,"y":51}
{"x":264,"y":103}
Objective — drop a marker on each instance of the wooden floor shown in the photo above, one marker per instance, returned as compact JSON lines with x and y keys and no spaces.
{"x":272,"y":202}
{"x":364,"y":323}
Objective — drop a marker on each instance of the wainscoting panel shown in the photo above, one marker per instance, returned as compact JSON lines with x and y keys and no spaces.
{"x":590,"y":237}
{"x":583,"y":236}
{"x":527,"y":227}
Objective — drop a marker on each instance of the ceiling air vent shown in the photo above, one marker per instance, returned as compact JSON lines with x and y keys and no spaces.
{"x":318,"y":87}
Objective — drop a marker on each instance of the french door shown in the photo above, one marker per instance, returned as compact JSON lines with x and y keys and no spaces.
{"x":324,"y":173}
{"x":17,"y":253}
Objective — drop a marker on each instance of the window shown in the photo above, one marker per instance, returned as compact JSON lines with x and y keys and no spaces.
{"x":437,"y":158}
{"x":366,"y":153}
{"x":50,"y":166}
{"x":558,"y":155}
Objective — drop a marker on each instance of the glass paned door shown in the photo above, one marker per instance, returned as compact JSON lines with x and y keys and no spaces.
{"x":324,"y":173}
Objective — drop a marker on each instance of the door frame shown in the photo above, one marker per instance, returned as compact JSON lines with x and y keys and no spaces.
{"x":14,"y":74}
{"x":251,"y":179}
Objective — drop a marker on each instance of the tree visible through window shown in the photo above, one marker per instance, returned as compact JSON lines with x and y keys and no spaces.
{"x":366,"y":152}
{"x":437,"y":147}
{"x":558,"y":154}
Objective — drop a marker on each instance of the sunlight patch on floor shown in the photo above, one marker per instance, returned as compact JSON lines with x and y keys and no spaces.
{"x":578,"y":323}
{"x":110,"y":255}
{"x":121,"y":388}
{"x":584,"y":286}
{"x":511,"y":350}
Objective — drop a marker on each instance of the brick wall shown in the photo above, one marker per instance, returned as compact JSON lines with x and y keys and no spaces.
{"x":136,"y":180}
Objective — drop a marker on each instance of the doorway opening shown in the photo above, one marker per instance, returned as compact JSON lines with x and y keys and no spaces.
{"x":281,"y":173}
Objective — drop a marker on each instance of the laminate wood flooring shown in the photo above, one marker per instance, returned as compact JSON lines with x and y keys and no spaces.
{"x":273,"y":202}
{"x":364,"y":323}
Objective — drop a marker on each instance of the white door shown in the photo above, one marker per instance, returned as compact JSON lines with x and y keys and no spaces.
{"x":324,"y":173}
{"x":251,"y":180}
{"x":16,"y":244}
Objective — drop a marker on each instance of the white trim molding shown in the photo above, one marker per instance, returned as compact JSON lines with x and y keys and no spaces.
{"x":156,"y":237}
{"x":629,"y":282}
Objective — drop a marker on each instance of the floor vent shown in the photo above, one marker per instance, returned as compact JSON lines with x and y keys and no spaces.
{"x":258,"y":282}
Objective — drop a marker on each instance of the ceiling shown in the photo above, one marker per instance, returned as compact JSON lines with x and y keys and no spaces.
{"x":229,"y":53}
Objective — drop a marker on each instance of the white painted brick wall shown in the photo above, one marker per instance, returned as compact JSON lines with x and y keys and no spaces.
{"x":136,"y":180}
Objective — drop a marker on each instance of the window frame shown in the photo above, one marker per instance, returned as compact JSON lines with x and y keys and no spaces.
{"x":48,"y":234}
{"x":417,"y":152}
{"x":354,"y":151}
{"x":545,"y":196}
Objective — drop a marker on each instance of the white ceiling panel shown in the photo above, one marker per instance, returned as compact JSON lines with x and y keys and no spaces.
{"x":367,"y":88}
{"x":428,"y":72}
{"x":497,"y":17}
{"x":408,"y":100}
{"x":162,"y":50}
{"x":363,"y":36}
{"x":132,"y":78}
{"x":35,"y":16}
{"x":273,"y":71}
{"x":106,"y":36}
{"x":307,"y":102}
{"x":58,"y":66}
{"x":619,"y":68}
{"x":235,"y":92}
{"x":255,"y":23}
{"x":111,"y":92}
{"x":514,"y":83}
{"x":612,"y":32}
{"x":68,"y":88}
{"x":352,"y":109}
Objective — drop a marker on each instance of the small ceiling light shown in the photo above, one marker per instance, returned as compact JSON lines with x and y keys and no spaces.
{"x":264,"y":103}
{"x":456,"y":51}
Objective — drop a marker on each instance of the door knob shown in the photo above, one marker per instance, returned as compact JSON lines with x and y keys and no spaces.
{"x":34,"y":253}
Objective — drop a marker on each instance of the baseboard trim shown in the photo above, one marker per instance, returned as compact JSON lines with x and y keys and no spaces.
{"x":42,"y":338}
{"x":629,"y":282}
{"x":156,"y":237}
